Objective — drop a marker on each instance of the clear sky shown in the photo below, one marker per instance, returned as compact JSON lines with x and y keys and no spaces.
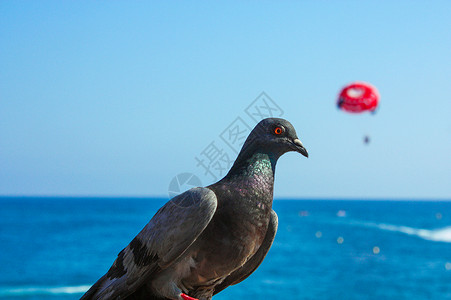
{"x":115,"y":98}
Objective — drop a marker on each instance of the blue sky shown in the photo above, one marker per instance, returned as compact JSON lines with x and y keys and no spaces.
{"x":115,"y":98}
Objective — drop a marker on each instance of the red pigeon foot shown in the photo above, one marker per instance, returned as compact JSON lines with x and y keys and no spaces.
{"x":186,"y":297}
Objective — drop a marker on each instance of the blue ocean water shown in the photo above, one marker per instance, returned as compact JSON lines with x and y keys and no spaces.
{"x":55,"y":248}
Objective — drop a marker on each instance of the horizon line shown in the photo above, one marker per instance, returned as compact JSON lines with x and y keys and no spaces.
{"x":290,"y":198}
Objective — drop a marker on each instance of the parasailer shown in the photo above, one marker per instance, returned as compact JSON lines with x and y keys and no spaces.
{"x":358,"y":97}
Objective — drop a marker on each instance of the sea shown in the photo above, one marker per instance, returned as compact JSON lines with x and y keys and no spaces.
{"x":55,"y":248}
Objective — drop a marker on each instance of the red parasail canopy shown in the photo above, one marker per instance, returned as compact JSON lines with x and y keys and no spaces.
{"x":358,"y":97}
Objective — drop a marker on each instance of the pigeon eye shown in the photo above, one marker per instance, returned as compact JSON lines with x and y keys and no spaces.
{"x":278,"y":130}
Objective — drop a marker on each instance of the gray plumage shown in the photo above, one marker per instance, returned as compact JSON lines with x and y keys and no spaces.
{"x":206,"y":239}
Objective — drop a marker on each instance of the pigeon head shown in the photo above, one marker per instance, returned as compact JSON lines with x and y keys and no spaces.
{"x":275,"y":136}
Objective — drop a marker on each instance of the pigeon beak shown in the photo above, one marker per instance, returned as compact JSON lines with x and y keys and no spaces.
{"x":299,"y":147}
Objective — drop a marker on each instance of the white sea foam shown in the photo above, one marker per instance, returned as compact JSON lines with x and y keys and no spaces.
{"x":42,"y":290}
{"x":437,"y":235}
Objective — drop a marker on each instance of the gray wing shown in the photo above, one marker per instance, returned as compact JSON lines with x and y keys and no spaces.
{"x":164,"y":239}
{"x":252,"y":264}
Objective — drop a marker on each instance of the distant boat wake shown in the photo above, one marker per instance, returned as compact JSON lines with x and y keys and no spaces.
{"x":28,"y":291}
{"x":436,"y":235}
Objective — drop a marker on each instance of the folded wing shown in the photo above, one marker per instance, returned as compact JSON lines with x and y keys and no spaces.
{"x":164,"y":239}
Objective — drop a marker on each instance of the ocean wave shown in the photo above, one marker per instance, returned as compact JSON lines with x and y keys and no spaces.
{"x":36,"y":290}
{"x":437,"y":235}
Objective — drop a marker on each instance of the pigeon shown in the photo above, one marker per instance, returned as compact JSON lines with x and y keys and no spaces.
{"x":207,"y":238}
